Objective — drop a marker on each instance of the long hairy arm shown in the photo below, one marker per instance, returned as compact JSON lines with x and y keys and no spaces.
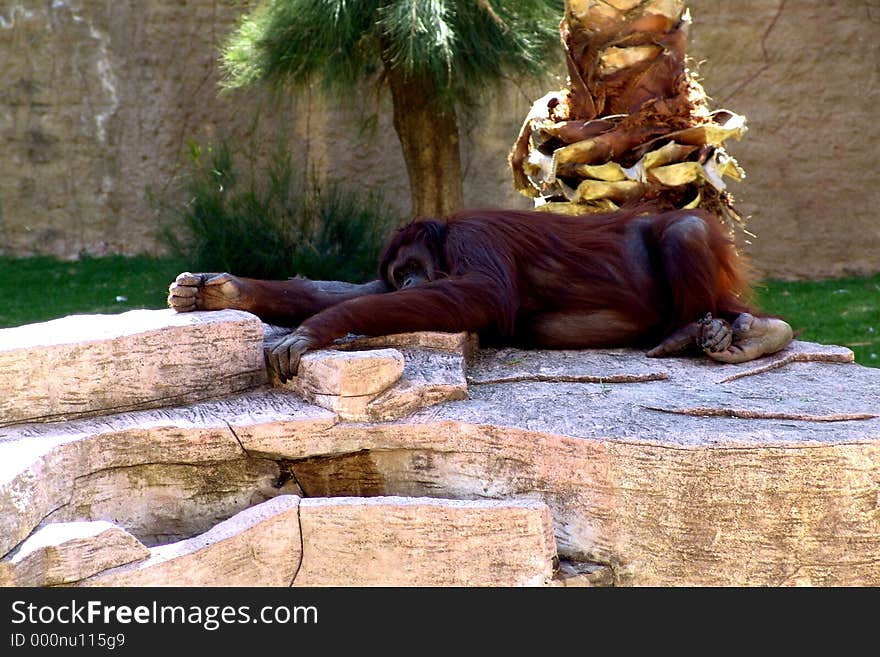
{"x":465,"y":303}
{"x":286,"y":302}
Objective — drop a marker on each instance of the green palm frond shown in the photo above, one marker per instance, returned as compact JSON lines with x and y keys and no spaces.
{"x":293,"y":41}
{"x":419,"y":37}
{"x":461,"y":45}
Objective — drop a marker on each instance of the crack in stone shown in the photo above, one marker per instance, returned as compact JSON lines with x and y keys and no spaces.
{"x":189,"y":464}
{"x":37,"y":525}
{"x":154,"y":403}
{"x":302,"y":548}
{"x":598,"y":573}
{"x":237,"y":439}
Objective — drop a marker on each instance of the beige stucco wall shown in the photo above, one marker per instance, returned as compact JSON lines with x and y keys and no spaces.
{"x":98,"y":99}
{"x":807,"y":76}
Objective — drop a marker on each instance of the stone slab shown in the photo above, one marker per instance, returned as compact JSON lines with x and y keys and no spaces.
{"x":761,"y":473}
{"x":64,"y":552}
{"x":383,"y":383}
{"x":425,"y":542}
{"x":768,"y":479}
{"x":259,"y":546}
{"x":348,"y":373}
{"x":47,"y":468}
{"x":84,"y":365}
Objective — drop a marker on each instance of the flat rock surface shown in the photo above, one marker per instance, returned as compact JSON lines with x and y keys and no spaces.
{"x":805,"y":393}
{"x":48,"y":467}
{"x":363,"y":379}
{"x":664,"y":471}
{"x":394,"y":541}
{"x":762,"y":473}
{"x":260,"y":546}
{"x":606,"y":366}
{"x":94,"y":364}
{"x":65,"y":552}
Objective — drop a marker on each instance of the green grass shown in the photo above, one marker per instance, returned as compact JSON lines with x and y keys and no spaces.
{"x":41,"y":288}
{"x":841,"y":311}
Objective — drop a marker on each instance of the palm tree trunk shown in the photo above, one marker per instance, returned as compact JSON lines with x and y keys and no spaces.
{"x":634,"y":123}
{"x":428,"y":133}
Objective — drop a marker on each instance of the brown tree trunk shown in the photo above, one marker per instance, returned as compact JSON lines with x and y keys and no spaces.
{"x":634,"y":123}
{"x":428,"y":133}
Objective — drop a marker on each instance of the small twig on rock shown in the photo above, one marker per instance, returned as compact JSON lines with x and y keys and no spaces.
{"x":795,"y":357}
{"x":746,"y":414}
{"x":572,"y":378}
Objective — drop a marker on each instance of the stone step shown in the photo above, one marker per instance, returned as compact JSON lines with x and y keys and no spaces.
{"x":66,"y":552}
{"x":286,"y":541}
{"x":670,"y":471}
{"x":384,"y":378}
{"x":164,"y":474}
{"x":259,"y":546}
{"x":84,"y":365}
{"x":399,"y":541}
{"x":87,"y":365}
{"x":673,"y":472}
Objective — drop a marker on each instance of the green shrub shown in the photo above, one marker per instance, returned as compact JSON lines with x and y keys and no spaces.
{"x":272,"y":225}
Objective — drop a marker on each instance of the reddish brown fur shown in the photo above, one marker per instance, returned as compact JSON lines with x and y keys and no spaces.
{"x":539,"y":279}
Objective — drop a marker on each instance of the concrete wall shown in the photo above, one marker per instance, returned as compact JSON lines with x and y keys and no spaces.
{"x":99,"y":97}
{"x":807,"y":76}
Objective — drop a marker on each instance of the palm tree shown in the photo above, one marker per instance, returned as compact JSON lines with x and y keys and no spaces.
{"x":433,"y":55}
{"x":634,"y":123}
